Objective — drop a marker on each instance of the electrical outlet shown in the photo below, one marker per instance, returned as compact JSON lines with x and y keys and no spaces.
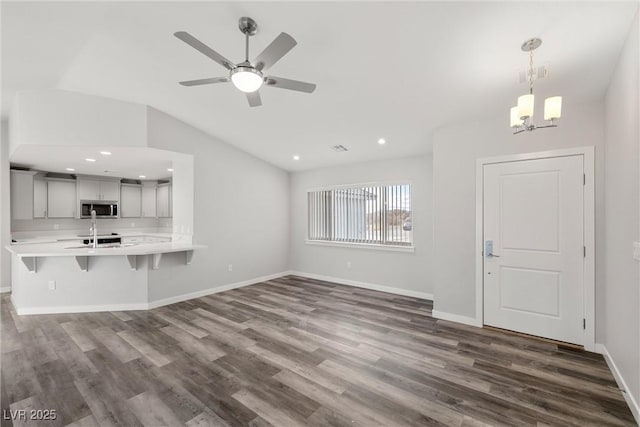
{"x":56,"y":226}
{"x":52,"y":285}
{"x":230,"y":267}
{"x":348,"y":264}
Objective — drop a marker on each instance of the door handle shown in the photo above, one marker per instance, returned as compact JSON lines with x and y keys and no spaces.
{"x":488,"y":249}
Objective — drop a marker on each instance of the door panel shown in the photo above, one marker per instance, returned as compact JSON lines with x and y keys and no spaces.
{"x":533,"y":213}
{"x":522,"y":203}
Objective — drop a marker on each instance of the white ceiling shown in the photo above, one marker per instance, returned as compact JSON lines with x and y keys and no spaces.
{"x":124,"y":162}
{"x":383,"y":69}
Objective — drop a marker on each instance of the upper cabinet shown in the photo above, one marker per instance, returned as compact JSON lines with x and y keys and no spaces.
{"x":61,"y":198}
{"x":22,"y":194}
{"x":164,"y":200}
{"x":89,"y":189}
{"x":149,"y":200}
{"x":39,"y":197}
{"x":130,"y":201}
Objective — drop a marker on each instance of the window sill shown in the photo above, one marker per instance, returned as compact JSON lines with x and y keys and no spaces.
{"x":362,"y":246}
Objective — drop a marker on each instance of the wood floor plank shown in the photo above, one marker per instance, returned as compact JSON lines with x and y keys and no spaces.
{"x":152,"y":411}
{"x":294,"y":351}
{"x":144,"y":348}
{"x":79,"y":336}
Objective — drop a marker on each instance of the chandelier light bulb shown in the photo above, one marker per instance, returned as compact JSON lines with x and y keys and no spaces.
{"x":515,"y":119}
{"x":553,"y":108}
{"x":525,"y":106}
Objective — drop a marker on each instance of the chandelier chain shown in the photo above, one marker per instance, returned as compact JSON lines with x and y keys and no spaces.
{"x":531,"y":71}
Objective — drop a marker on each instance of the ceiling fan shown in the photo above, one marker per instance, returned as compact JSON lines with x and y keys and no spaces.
{"x":249,"y":76}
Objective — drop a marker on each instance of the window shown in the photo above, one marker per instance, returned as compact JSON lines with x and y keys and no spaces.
{"x":364,"y":214}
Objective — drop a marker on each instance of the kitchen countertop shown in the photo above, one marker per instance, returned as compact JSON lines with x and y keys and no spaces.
{"x":71,"y":237}
{"x":59,"y":249}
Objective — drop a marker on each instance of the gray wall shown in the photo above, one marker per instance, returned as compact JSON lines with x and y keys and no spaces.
{"x":5,"y":221}
{"x":405,"y":271}
{"x":241,"y":211}
{"x":622,"y":319}
{"x":454,"y":165}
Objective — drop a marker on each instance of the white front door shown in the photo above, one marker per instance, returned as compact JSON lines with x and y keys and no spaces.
{"x":533,"y":253}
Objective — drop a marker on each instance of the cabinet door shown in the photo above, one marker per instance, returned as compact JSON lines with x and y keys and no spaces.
{"x":109,"y":191}
{"x":130,"y":201}
{"x":163,"y":201}
{"x":61,"y":199}
{"x":149,"y":202}
{"x":21,"y":195}
{"x":39,"y":198}
{"x":88,"y":189}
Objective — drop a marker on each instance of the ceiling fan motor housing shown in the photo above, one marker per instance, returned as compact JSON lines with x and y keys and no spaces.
{"x":247,"y":26}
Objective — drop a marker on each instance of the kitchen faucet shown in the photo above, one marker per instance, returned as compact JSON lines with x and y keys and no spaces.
{"x":93,"y":231}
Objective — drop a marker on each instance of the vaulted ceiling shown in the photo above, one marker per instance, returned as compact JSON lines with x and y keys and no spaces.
{"x":384,"y":69}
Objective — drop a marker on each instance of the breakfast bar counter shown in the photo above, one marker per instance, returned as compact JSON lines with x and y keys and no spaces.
{"x":67,"y":276}
{"x":29,"y":253}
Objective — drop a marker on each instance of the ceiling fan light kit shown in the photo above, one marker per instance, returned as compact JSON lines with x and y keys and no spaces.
{"x":248,"y":76}
{"x":246,"y":79}
{"x":522,"y":114}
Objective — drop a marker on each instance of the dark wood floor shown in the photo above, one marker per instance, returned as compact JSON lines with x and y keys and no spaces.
{"x":292,"y":352}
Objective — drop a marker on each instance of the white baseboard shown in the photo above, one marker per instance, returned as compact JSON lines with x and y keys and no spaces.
{"x":471,"y":321}
{"x":4,"y":289}
{"x":144,"y":305}
{"x":622,"y":385}
{"x":381,"y":288}
{"x":210,"y":291}
{"x":78,"y":309}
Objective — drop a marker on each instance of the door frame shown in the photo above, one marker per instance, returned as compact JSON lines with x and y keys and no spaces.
{"x":589,"y":291}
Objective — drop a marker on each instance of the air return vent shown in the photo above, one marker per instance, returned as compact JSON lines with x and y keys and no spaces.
{"x":339,"y":148}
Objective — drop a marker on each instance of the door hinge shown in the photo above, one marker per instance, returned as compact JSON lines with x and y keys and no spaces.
{"x":584,"y":251}
{"x":584,"y":179}
{"x":584,"y":323}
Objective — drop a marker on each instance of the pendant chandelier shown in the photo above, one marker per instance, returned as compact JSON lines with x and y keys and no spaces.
{"x":522,"y":114}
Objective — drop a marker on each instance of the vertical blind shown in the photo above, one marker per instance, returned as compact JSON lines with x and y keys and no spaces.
{"x":379,"y":214}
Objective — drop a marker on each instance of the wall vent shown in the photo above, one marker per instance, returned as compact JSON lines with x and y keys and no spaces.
{"x":339,"y":148}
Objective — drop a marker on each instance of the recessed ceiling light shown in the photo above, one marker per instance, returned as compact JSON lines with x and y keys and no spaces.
{"x":170,"y":170}
{"x":70,"y":169}
{"x":382,"y":141}
{"x":105,"y":153}
{"x":142,"y":176}
{"x":296,"y":157}
{"x":90,"y":160}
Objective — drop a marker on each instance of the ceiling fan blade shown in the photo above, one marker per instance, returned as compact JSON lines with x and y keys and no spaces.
{"x":283,"y":83}
{"x":205,"y":81}
{"x":276,"y":50}
{"x":204,"y":49}
{"x":254,"y":99}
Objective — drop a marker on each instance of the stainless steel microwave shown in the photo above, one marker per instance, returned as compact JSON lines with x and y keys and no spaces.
{"x":104,"y":209}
